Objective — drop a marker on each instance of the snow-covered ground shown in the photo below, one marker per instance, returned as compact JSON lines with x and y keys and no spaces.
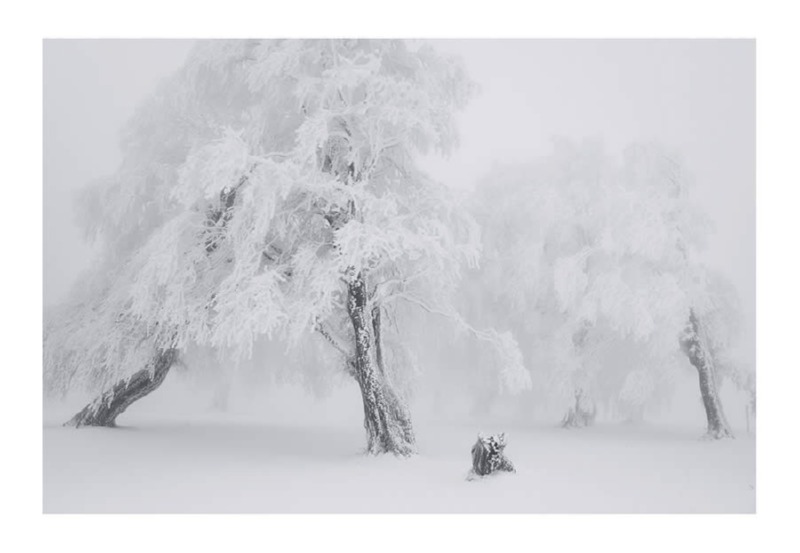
{"x":283,"y":459}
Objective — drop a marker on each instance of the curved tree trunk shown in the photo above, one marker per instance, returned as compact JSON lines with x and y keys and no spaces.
{"x":104,"y":410}
{"x":386,"y":418}
{"x":694,"y":346}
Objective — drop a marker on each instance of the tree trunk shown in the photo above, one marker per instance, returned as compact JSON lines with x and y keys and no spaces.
{"x":398,"y":408}
{"x":751,"y":412}
{"x":104,"y":410}
{"x":488,"y":456}
{"x":386,"y":418}
{"x":693,"y":344}
{"x":579,"y":416}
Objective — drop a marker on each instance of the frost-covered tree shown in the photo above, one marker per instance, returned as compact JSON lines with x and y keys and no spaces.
{"x":270,"y":189}
{"x":595,"y":262}
{"x":708,"y":342}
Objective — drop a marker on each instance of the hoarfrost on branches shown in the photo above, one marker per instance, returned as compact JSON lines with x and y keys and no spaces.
{"x":594,"y":260}
{"x":261,"y":186}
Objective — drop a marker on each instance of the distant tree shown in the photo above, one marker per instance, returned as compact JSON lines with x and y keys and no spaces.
{"x":709,"y":299}
{"x":594,"y":262}
{"x":285,"y":201}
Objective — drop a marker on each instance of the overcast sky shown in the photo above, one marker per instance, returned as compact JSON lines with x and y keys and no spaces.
{"x":697,"y":96}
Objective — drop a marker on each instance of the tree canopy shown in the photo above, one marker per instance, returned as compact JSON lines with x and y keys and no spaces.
{"x":595,"y":261}
{"x":257,"y":185}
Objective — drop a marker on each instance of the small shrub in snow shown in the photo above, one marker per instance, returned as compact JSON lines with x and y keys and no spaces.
{"x":488,"y":456}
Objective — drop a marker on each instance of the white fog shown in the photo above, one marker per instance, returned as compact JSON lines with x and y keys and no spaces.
{"x":550,"y":242}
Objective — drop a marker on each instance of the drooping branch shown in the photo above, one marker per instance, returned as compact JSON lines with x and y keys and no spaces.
{"x":339,"y":347}
{"x":490,"y":335}
{"x":514,"y":375}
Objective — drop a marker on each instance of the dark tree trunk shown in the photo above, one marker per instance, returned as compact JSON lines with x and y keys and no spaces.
{"x":398,"y":408}
{"x":104,"y":410}
{"x":694,"y":346}
{"x":376,"y":329}
{"x":386,"y":419}
{"x":750,"y":412}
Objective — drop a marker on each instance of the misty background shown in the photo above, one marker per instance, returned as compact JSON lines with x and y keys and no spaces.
{"x":696,"y":96}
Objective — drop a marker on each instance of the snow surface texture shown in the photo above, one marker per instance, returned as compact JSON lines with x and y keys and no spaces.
{"x":291,"y":454}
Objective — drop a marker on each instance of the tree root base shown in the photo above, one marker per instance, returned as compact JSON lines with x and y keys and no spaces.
{"x":719,"y":434}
